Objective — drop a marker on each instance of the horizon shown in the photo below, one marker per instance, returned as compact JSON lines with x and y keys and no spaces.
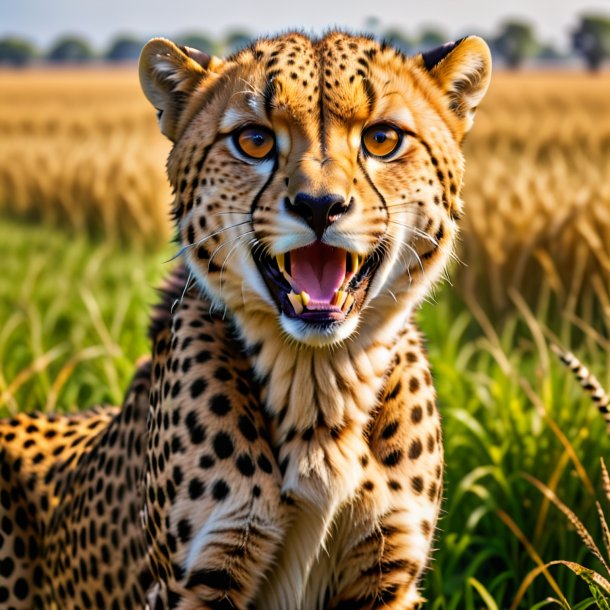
{"x":43,"y":24}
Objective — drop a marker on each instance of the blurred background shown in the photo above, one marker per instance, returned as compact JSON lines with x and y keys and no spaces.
{"x":85,"y":238}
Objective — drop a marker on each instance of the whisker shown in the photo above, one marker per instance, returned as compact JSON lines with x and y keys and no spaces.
{"x":187,"y":285}
{"x":403,"y":203}
{"x":203,"y":239}
{"x":225,"y":243}
{"x":231,"y":212}
{"x":421,"y":265}
{"x":417,"y":232}
{"x":224,"y":264}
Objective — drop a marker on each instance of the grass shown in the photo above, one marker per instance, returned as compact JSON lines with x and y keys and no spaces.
{"x":75,"y":314}
{"x":509,"y":409}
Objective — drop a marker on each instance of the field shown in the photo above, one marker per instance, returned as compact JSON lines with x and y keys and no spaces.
{"x":84,"y":223}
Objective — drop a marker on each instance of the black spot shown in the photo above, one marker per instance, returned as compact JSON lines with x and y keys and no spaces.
{"x":196,"y":431}
{"x":223,"y":445}
{"x":21,"y":588}
{"x":206,"y":461}
{"x":220,"y":404}
{"x":176,"y":389}
{"x":185,"y":530}
{"x":417,"y":484}
{"x":390,"y":430}
{"x":415,"y":449}
{"x":214,"y":579}
{"x":247,"y":428}
{"x":245,"y":465}
{"x":198,"y":387}
{"x":264,"y":464}
{"x":220,"y":490}
{"x":393,"y":458}
{"x":395,"y":391}
{"x":196,"y":489}
{"x":417,"y":414}
{"x":222,"y":374}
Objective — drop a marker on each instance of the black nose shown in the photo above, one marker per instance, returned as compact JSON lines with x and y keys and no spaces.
{"x":318,"y":212}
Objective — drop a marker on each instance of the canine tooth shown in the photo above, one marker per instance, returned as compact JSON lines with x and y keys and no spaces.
{"x":340,"y":297}
{"x":281,"y":262}
{"x":296,"y":302}
{"x":348,"y":302}
{"x":305,"y":298}
{"x":355,"y":262}
{"x":289,"y":279}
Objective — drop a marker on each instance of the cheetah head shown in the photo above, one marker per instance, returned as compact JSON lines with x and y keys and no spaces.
{"x":317,"y":182}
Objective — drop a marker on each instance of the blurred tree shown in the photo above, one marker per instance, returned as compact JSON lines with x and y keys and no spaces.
{"x":236,"y":40}
{"x":16,"y":51}
{"x":592,"y":40}
{"x":372,"y":25}
{"x":549,"y":52}
{"x":431,"y":38}
{"x":398,"y":39}
{"x":516,"y":42}
{"x":70,"y":49}
{"x":198,"y":41}
{"x":124,"y":48}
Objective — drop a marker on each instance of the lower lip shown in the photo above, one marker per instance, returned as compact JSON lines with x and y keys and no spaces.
{"x":322,"y":316}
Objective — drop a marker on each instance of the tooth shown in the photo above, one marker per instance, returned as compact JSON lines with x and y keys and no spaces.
{"x":296,"y":302}
{"x":280,"y":258}
{"x":348,"y":302}
{"x":289,"y":279}
{"x":305,"y":298}
{"x":355,"y":262}
{"x":340,"y":297}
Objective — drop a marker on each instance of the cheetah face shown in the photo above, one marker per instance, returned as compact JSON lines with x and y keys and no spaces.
{"x":317,"y":181}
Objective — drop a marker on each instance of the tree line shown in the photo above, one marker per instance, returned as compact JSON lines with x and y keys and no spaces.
{"x":515,"y":43}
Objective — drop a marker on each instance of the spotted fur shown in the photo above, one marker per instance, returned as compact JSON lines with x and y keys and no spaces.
{"x":261,"y":461}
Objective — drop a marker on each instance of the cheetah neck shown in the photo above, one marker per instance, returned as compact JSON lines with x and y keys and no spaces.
{"x":305,"y":387}
{"x":325,"y":396}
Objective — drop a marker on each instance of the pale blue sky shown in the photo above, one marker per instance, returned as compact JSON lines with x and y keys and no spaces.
{"x":43,"y":20}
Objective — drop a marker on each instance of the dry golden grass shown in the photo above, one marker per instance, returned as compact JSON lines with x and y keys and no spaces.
{"x":81,"y":148}
{"x":538,"y":192}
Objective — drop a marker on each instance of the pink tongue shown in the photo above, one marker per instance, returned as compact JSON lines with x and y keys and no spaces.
{"x":318,"y":269}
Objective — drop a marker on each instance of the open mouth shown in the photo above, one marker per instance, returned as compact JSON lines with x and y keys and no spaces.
{"x":318,"y":283}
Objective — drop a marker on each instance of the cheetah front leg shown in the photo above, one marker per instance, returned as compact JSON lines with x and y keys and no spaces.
{"x":213,"y":513}
{"x":401,"y":492}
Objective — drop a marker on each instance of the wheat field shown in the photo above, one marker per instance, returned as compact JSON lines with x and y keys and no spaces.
{"x":81,"y":148}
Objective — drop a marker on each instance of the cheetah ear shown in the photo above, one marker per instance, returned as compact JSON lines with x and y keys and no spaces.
{"x":462,"y":70}
{"x":168,"y":75}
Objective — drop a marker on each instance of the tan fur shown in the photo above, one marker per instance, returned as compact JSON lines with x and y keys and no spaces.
{"x":284,"y":465}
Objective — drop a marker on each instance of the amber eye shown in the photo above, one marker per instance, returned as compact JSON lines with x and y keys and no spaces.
{"x":381,"y":140}
{"x":255,"y":142}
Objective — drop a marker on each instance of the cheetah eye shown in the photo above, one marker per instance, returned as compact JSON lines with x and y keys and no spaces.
{"x":381,"y":140}
{"x":255,"y":142}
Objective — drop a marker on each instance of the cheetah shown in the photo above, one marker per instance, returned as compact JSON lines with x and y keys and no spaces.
{"x":281,"y":448}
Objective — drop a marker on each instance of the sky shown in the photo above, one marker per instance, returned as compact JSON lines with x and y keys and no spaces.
{"x":42,"y":21}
